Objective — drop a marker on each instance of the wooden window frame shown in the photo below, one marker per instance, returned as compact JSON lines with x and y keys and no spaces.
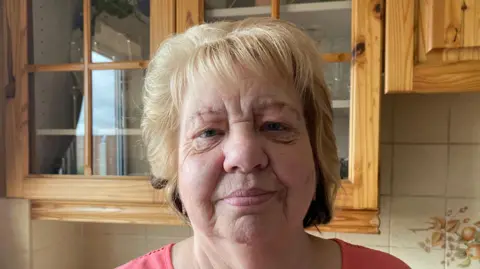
{"x":162,"y":24}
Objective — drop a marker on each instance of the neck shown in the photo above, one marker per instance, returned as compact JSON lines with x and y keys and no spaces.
{"x":288,"y":250}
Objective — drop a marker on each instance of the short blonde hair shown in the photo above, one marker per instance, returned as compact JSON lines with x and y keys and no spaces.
{"x":262,"y":45}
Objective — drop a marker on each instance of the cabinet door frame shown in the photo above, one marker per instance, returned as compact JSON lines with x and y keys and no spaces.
{"x":418,"y":56}
{"x":23,"y":184}
{"x":357,"y":200}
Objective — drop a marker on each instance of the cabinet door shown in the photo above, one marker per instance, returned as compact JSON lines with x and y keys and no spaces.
{"x":432,"y":46}
{"x":349,"y":35}
{"x":74,"y":120}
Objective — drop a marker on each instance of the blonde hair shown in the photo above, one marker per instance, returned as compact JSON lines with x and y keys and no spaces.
{"x":261,"y":45}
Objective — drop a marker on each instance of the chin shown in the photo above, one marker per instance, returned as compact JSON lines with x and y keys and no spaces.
{"x":253,"y":229}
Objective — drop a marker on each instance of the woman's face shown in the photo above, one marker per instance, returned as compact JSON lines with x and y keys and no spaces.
{"x":246,"y":166}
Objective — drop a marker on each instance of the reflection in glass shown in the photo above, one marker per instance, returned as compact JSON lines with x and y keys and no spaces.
{"x":341,"y":122}
{"x":56,"y":35}
{"x":57,"y":137}
{"x":232,"y":10}
{"x":214,"y":4}
{"x":116,"y":113}
{"x":120,"y":29}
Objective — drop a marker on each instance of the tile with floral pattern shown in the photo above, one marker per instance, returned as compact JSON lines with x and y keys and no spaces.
{"x":457,"y":234}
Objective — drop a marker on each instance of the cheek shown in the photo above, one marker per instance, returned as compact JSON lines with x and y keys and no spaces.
{"x":198,"y":177}
{"x":293,"y":164}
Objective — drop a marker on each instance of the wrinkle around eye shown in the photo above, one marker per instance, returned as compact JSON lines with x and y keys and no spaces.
{"x":203,"y":144}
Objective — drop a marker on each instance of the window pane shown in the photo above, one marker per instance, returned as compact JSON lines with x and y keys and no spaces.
{"x":329,"y":24}
{"x":56,"y":136}
{"x":217,"y":10}
{"x":56,"y":35}
{"x":121,"y":29}
{"x":116,"y":113}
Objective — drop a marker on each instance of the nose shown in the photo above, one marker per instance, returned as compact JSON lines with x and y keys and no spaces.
{"x":244,"y":151}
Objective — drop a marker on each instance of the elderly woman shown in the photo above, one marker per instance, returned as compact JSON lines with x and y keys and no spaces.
{"x":238,"y":121}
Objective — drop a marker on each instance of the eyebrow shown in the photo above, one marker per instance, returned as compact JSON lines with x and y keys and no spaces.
{"x":264,"y":104}
{"x":206,"y":111}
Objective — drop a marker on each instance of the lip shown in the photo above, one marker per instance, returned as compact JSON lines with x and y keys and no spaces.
{"x":249,"y":197}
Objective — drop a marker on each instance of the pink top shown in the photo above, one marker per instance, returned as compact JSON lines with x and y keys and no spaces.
{"x":353,"y":257}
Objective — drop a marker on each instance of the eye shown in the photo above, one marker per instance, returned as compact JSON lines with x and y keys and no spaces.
{"x":273,"y":126}
{"x":207,"y":133}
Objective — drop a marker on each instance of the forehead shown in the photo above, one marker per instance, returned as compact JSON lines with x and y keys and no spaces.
{"x":240,"y":83}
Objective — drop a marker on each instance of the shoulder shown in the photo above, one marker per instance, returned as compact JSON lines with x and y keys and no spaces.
{"x":354,"y":256}
{"x":157,"y":259}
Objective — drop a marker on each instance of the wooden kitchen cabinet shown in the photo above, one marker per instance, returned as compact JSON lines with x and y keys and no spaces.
{"x":432,"y":46}
{"x":73,"y":124}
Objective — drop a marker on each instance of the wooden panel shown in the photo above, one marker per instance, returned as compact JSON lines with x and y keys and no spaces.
{"x":16,"y":123}
{"x":399,"y":43}
{"x":189,"y":13}
{"x":118,"y":65}
{"x":55,"y":68}
{"x":471,"y":30}
{"x":345,"y":195}
{"x":3,"y":84}
{"x":344,"y":221}
{"x":74,"y":188}
{"x":104,"y":212}
{"x":162,"y":22}
{"x":336,"y":57}
{"x":447,"y":77}
{"x":87,"y":86}
{"x":453,"y":23}
{"x":367,"y":23}
{"x":442,"y":56}
{"x":275,"y":9}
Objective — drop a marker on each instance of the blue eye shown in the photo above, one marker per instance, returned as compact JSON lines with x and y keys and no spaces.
{"x":273,"y":126}
{"x":208,"y":133}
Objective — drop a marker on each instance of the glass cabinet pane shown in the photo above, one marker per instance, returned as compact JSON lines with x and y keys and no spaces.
{"x":116,"y":113}
{"x":56,"y":134}
{"x":56,"y":31}
{"x":329,"y":24}
{"x":120,"y":29}
{"x":216,"y":10}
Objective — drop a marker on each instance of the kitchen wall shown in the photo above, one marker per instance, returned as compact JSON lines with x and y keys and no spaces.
{"x":429,"y":186}
{"x":15,"y":234}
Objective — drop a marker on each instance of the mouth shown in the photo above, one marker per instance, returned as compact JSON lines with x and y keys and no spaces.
{"x":249,"y":197}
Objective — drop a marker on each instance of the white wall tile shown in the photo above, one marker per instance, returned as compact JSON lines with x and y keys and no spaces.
{"x":420,"y":169}
{"x":48,"y":233}
{"x":156,"y":242}
{"x":409,"y":222}
{"x":464,"y":171}
{"x":58,"y":256}
{"x":15,"y":233}
{"x":382,"y":249}
{"x":110,"y":251}
{"x":419,"y":259}
{"x":465,"y":120}
{"x":370,"y":240}
{"x":114,"y":228}
{"x":324,"y":235}
{"x":183,"y":231}
{"x":386,"y":162}
{"x":421,"y":118}
{"x":14,"y":259}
